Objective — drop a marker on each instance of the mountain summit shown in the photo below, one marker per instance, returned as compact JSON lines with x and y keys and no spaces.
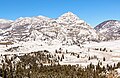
{"x":69,"y":18}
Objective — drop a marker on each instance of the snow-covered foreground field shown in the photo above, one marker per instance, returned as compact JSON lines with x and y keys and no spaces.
{"x":83,"y":56}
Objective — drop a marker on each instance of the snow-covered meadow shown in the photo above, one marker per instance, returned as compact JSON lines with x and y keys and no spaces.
{"x":73,"y":55}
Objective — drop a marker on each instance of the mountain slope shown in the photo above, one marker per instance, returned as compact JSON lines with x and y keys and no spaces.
{"x":67,"y":29}
{"x":110,"y":28}
{"x":4,"y":24}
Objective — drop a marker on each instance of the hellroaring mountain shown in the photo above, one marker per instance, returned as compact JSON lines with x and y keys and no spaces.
{"x":110,"y":28}
{"x":67,"y":29}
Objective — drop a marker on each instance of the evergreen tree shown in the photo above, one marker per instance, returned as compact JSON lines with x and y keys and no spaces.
{"x":89,"y":58}
{"x":103,"y":58}
{"x":62,"y":56}
{"x":78,"y":56}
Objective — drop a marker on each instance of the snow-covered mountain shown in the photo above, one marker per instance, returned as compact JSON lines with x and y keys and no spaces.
{"x":67,"y":29}
{"x":5,"y":23}
{"x":109,"y":28}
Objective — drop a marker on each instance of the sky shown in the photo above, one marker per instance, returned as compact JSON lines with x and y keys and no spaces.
{"x":92,"y":11}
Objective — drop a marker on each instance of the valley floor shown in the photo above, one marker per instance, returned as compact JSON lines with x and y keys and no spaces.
{"x":105,"y":53}
{"x":88,"y":53}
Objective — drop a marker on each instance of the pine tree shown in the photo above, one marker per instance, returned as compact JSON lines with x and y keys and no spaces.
{"x":3,"y":71}
{"x":62,"y":56}
{"x":78,"y":56}
{"x":89,"y":58}
{"x":58,"y":58}
{"x":61,"y":59}
{"x":56,"y":51}
{"x":103,"y":58}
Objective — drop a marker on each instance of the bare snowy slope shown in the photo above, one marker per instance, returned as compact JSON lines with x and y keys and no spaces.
{"x":5,"y":23}
{"x":110,"y":28}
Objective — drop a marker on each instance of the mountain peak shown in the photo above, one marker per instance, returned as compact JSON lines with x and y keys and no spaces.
{"x":68,"y":17}
{"x":69,"y":14}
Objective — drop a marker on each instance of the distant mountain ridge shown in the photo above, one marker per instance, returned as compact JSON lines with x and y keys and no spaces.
{"x":5,"y":23}
{"x":110,"y":29}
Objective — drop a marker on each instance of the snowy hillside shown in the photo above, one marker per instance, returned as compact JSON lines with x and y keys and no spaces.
{"x":4,"y":24}
{"x":110,"y":28}
{"x":5,"y":21}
